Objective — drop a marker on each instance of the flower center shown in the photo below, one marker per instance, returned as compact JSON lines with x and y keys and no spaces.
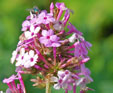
{"x":84,"y":80}
{"x":31,"y":59}
{"x":45,"y":18}
{"x":48,"y":37}
{"x":60,"y":81}
{"x":22,"y":57}
{"x":32,"y":33}
{"x":60,"y":23}
{"x":66,"y":72}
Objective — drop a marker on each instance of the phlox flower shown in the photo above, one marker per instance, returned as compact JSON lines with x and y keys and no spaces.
{"x":1,"y":91}
{"x":44,"y":18}
{"x":47,"y":50}
{"x":86,"y":72}
{"x":31,"y":59}
{"x":10,"y":79}
{"x":81,"y":48}
{"x":82,"y":83}
{"x":13,"y":88}
{"x":61,"y":6}
{"x":27,"y":23}
{"x":32,"y":33}
{"x":64,"y":80}
{"x":58,"y":25}
{"x":74,"y":37}
{"x":51,"y":8}
{"x":14,"y":55}
{"x":49,"y":39}
{"x":11,"y":83}
{"x":8,"y":90}
{"x":72,"y":29}
{"x":21,"y":58}
{"x":30,"y":17}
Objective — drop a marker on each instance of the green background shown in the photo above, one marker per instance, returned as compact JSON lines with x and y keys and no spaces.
{"x":92,"y":17}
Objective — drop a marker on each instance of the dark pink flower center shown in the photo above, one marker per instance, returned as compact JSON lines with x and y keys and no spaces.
{"x":31,"y":59}
{"x":32,"y":34}
{"x":66,"y":72}
{"x":84,"y":80}
{"x":60,"y":23}
{"x":60,"y":81}
{"x":48,"y":37}
{"x":22,"y":57}
{"x":45,"y":18}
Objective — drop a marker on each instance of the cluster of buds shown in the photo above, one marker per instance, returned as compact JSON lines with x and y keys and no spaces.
{"x":53,"y":50}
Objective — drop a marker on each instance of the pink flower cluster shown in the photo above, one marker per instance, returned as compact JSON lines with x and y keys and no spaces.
{"x":52,"y":47}
{"x":13,"y":88}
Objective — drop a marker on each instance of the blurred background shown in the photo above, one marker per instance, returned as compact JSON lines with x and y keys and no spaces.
{"x":92,"y":17}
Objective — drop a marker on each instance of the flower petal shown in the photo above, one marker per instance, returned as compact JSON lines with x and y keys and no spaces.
{"x":50,"y":32}
{"x":54,"y":38}
{"x":56,"y":86}
{"x":31,"y":53}
{"x":27,"y":34}
{"x":32,"y":28}
{"x":53,"y":79}
{"x":37,"y":30}
{"x":44,"y":32}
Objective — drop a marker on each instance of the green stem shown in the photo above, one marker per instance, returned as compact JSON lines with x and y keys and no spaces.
{"x":48,"y":87}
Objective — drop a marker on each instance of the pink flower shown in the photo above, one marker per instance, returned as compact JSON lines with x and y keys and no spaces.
{"x":52,"y":8}
{"x":31,"y":16}
{"x":32,"y":33}
{"x":21,"y":58}
{"x":58,"y":25}
{"x":86,"y":72}
{"x":81,"y":48}
{"x":45,"y":18}
{"x":10,"y":79}
{"x":61,"y":6}
{"x":27,"y":23}
{"x":27,"y":59}
{"x":64,"y":80}
{"x":49,"y":39}
{"x":82,"y":82}
{"x":31,"y":59}
{"x":14,"y":55}
{"x":45,"y":47}
{"x":12,"y":85}
{"x":72,"y":38}
{"x":72,"y":29}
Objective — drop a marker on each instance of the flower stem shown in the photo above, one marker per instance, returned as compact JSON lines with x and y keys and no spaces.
{"x":39,"y":68}
{"x":48,"y":87}
{"x":43,"y":59}
{"x":67,"y":18}
{"x":21,"y":82}
{"x":54,"y":54}
{"x":74,"y":88}
{"x":59,"y":15}
{"x":10,"y":87}
{"x":66,"y":91}
{"x":82,"y":91}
